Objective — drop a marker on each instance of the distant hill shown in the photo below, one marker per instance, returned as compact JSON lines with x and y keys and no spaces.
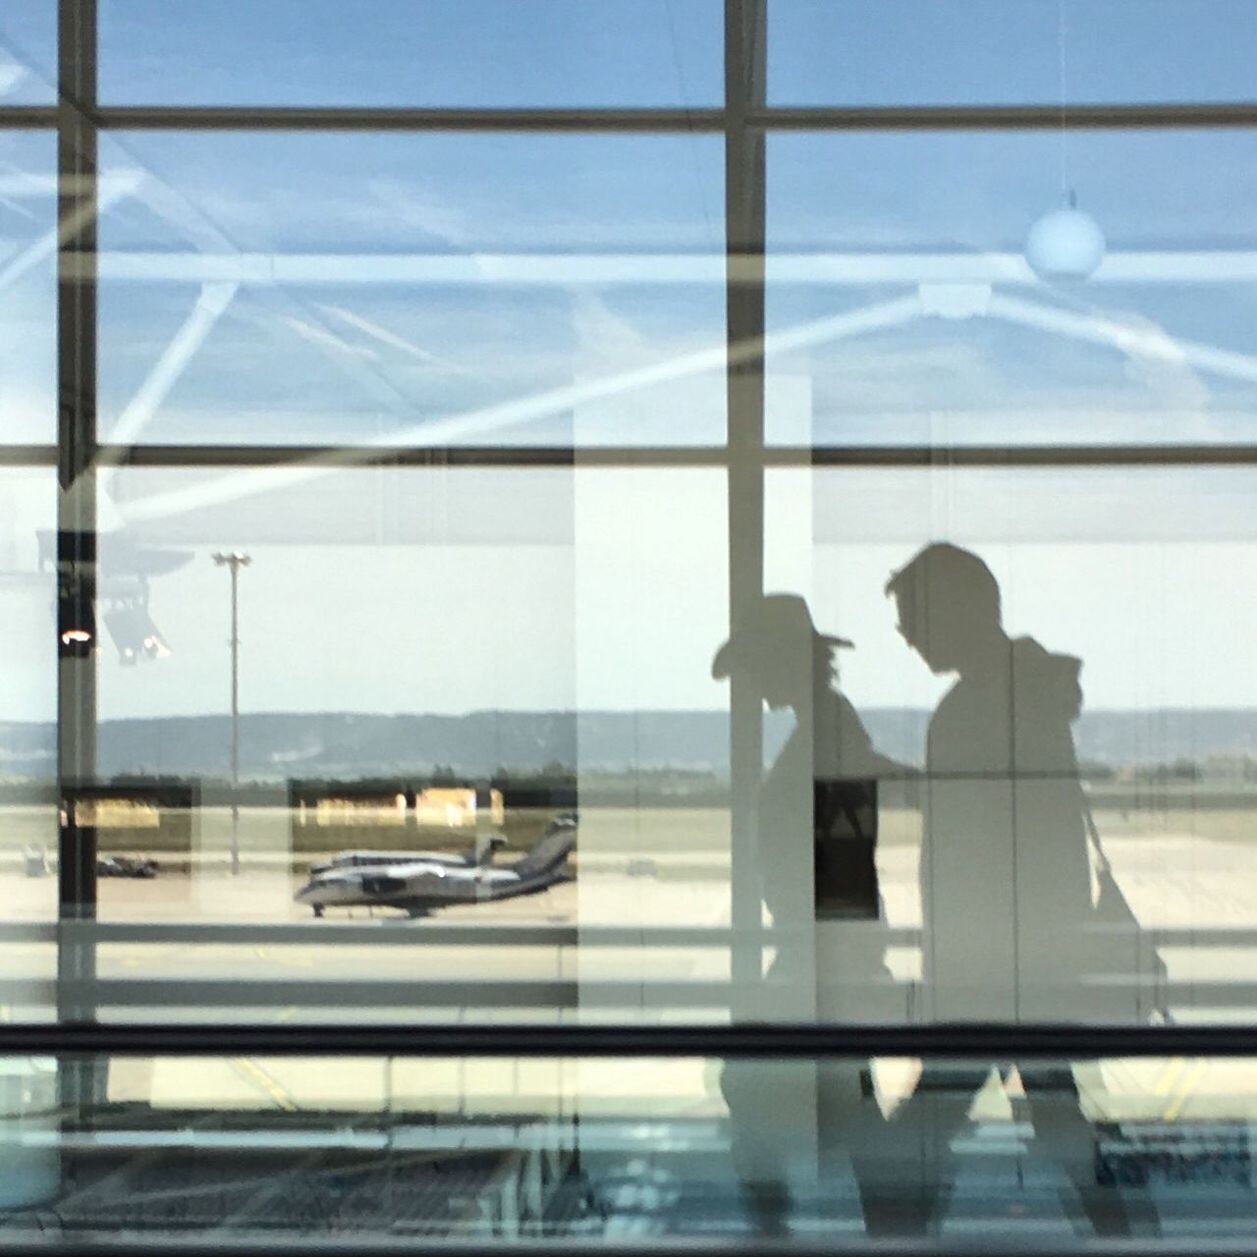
{"x":278,"y":745}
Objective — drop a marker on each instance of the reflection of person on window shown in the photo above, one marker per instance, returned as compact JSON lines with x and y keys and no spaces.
{"x":778,"y":651}
{"x":1005,"y":870}
{"x":793,"y":667}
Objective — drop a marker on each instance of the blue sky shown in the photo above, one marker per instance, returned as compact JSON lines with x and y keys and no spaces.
{"x":964,"y":52}
{"x":665,"y":52}
{"x":28,"y":52}
{"x":454,"y":53}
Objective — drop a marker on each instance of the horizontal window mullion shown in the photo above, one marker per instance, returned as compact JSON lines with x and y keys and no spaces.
{"x":878,"y":117}
{"x":27,"y":117}
{"x":854,"y":456}
{"x":350,"y":456}
{"x":1004,"y":117}
{"x":28,"y":455}
{"x":1013,"y":456}
{"x":245,"y":118}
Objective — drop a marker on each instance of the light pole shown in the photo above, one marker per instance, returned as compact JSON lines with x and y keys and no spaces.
{"x":235,"y":560}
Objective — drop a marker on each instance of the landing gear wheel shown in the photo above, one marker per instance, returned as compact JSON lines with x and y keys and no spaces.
{"x":318,"y":910}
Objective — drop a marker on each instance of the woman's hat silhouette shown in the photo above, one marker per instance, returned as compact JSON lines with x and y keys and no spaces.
{"x":776,"y":623}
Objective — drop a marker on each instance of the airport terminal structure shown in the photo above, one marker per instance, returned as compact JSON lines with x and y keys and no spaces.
{"x":628,"y":623}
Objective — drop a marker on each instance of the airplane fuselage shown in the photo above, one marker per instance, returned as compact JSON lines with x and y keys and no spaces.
{"x":419,"y":884}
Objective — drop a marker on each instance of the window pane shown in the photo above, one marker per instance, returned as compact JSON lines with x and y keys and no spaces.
{"x":28,"y":294}
{"x":28,"y":52}
{"x":442,"y":53}
{"x":1082,"y":658}
{"x":428,"y":658}
{"x":653,"y":748}
{"x":1009,"y":52}
{"x":28,"y":742}
{"x":907,"y":308}
{"x":437,"y":289}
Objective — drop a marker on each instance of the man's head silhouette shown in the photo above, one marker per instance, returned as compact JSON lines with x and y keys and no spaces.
{"x":949,"y":608}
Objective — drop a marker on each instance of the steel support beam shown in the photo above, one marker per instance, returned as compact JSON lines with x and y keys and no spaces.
{"x":76,"y":498}
{"x":745,"y":69}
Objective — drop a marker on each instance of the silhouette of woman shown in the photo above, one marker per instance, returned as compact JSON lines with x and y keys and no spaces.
{"x":778,"y":650}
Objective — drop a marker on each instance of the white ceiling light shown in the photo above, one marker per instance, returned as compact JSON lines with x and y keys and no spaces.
{"x":1065,"y":243}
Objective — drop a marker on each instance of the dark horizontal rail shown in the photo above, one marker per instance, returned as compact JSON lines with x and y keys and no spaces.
{"x":28,"y":117}
{"x":853,"y":456}
{"x":996,"y":1243}
{"x":976,"y":1041}
{"x":974,"y":117}
{"x":285,"y":118}
{"x":1015,"y":456}
{"x":250,"y":456}
{"x":1006,"y":117}
{"x":28,"y":455}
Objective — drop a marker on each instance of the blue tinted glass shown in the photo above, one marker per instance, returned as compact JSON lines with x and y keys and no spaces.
{"x":441,"y":289}
{"x":447,"y":53}
{"x":905,"y":300}
{"x":28,"y":52}
{"x":28,"y":294}
{"x":974,"y":52}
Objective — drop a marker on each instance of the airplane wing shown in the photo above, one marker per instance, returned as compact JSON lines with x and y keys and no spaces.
{"x":412,"y":868}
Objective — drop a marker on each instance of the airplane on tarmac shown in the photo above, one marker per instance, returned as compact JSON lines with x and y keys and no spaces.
{"x":418,"y":884}
{"x":481,"y":854}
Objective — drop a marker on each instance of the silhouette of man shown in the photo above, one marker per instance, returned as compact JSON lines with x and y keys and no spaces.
{"x":778,"y":649}
{"x":1005,"y":872}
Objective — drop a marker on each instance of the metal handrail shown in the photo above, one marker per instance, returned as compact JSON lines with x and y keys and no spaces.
{"x":980,"y":1041}
{"x":1026,"y":1244}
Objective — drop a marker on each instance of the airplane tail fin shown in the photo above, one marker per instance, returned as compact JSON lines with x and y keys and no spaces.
{"x":550,"y":850}
{"x":486,"y":845}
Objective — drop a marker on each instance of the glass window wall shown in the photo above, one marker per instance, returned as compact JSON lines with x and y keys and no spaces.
{"x":585,"y":520}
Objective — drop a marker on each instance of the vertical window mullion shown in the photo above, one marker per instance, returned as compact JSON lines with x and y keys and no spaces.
{"x":76,"y":497}
{"x":745,"y":67}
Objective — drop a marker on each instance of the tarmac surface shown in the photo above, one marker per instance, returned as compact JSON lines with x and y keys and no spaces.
{"x":1172,"y":880}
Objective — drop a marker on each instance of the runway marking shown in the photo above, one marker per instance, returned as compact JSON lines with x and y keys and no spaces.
{"x":256,"y":1074}
{"x":1185,"y":1090}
